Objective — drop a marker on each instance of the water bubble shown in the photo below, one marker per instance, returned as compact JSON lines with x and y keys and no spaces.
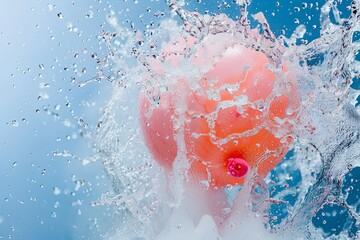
{"x":60,"y":16}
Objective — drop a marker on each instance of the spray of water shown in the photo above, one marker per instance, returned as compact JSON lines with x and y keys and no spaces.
{"x":157,"y":204}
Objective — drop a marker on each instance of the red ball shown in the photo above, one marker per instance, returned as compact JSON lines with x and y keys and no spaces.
{"x":246,"y":123}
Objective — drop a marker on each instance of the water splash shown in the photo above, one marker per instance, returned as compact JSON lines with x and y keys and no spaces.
{"x":154,"y":205}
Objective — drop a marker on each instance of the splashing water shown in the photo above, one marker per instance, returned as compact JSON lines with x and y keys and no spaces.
{"x":156,"y":202}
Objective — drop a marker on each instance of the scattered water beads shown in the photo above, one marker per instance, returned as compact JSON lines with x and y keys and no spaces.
{"x":310,"y":182}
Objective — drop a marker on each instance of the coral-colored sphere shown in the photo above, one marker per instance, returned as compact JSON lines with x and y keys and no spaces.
{"x":237,"y":117}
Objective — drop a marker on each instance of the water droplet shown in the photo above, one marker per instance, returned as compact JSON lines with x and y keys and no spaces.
{"x":14,"y":123}
{"x":56,"y":191}
{"x":51,"y":7}
{"x":67,"y":123}
{"x":89,"y":14}
{"x":226,"y":210}
{"x":78,"y":184}
{"x":57,"y":204}
{"x":43,"y":96}
{"x":60,"y":15}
